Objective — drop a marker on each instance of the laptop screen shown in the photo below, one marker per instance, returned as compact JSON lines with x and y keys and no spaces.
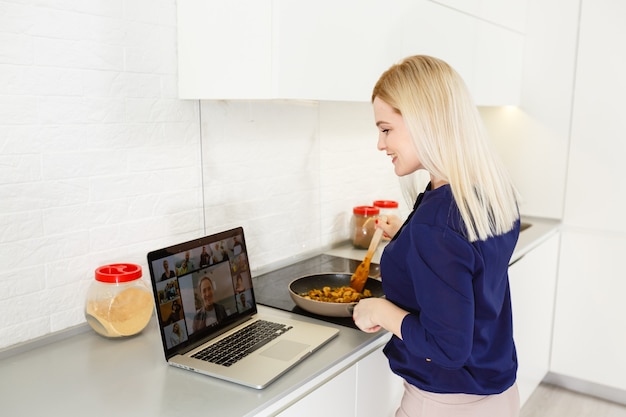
{"x":201,"y":287}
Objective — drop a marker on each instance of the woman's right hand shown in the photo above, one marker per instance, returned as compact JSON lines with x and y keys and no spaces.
{"x":391,"y":225}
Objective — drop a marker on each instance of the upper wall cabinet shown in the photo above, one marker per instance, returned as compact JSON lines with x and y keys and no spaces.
{"x":266,"y":49}
{"x":329,"y":50}
{"x":487,"y":56}
{"x":224,"y":49}
{"x":510,"y":14}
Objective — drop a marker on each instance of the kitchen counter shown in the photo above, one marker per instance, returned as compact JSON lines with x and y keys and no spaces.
{"x":88,"y":374}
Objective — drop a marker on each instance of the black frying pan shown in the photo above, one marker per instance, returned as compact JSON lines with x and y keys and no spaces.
{"x":318,"y":281}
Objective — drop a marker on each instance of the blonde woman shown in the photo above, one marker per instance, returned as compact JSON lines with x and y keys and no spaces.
{"x":445,"y":270}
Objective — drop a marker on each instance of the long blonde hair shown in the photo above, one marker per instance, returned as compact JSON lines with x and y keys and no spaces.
{"x":451,"y":141}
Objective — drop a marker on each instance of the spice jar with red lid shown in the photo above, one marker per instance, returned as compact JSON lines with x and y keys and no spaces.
{"x":363,"y":225}
{"x":118,"y":302}
{"x":387,"y":207}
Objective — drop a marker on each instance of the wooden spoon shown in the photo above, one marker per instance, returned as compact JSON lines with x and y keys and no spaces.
{"x":359,"y":278}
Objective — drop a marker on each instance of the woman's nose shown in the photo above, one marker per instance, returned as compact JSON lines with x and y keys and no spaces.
{"x":380,"y":145}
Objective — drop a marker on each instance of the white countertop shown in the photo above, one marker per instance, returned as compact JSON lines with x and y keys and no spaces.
{"x":86,"y":374}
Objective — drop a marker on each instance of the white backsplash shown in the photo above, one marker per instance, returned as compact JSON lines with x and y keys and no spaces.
{"x":535,"y":156}
{"x":290,"y":172}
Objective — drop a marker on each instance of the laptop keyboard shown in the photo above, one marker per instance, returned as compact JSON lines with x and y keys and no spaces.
{"x":241,"y":343}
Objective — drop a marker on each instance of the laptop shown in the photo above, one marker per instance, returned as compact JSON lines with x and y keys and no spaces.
{"x":204,"y":300}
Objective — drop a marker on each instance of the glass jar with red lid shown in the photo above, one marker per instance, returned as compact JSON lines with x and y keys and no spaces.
{"x":118,"y":301}
{"x":363,"y":225}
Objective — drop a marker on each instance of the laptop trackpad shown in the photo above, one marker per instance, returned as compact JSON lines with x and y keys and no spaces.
{"x":284,"y":350}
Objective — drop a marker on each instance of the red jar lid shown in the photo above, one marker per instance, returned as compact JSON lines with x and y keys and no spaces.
{"x":390,"y":204}
{"x":366,"y":210}
{"x":118,"y":273}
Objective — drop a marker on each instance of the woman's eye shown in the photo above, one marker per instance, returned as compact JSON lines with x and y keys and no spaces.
{"x":385,"y":131}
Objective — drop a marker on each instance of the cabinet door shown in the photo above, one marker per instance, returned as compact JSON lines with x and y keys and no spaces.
{"x":224,"y":49}
{"x":332,"y":50}
{"x":487,"y":56}
{"x":508,"y":13}
{"x":498,"y":64}
{"x":335,"y":398}
{"x":430,"y":29}
{"x":379,"y":391}
{"x":589,"y":331}
{"x":533,"y":286}
{"x":329,"y":50}
{"x":281,"y":49}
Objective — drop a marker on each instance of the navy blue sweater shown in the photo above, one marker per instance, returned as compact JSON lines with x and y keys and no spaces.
{"x":458,"y":337}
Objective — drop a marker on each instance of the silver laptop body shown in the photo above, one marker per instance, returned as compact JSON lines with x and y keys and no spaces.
{"x":204,"y":294}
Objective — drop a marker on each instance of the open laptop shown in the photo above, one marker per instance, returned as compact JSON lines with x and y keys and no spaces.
{"x":204,"y":297}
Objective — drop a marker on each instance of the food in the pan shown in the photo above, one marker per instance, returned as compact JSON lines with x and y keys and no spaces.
{"x":344,"y":294}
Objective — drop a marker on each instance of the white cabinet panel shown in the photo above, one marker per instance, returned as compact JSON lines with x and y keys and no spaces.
{"x":379,"y":391}
{"x":223,"y":49}
{"x":430,"y":29}
{"x":487,"y":56}
{"x":329,"y":50}
{"x":508,"y":13}
{"x":596,"y":190}
{"x":332,"y":50}
{"x":335,"y":398}
{"x":366,"y":389}
{"x":533,"y":285}
{"x":281,"y":49}
{"x":589,"y":328}
{"x":498,"y":63}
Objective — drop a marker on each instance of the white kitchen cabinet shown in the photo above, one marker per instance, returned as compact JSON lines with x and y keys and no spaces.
{"x":281,"y":49}
{"x":379,"y":391}
{"x":498,"y":65}
{"x":328,"y":50}
{"x":334,"y":398}
{"x":331,"y":50}
{"x":487,"y":56}
{"x":366,"y":389}
{"x":533,"y":285}
{"x":589,"y":331}
{"x":596,"y":190}
{"x":508,"y":13}
{"x":224,"y":49}
{"x":430,"y":29}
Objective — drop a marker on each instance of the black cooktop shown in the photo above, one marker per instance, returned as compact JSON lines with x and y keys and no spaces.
{"x":271,"y":289}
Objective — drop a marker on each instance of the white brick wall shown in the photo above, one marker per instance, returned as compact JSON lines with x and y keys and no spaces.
{"x":290,"y":172}
{"x":100,"y":163}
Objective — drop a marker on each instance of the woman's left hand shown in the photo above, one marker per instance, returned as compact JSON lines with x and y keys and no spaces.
{"x":363,"y":314}
{"x":372,"y":314}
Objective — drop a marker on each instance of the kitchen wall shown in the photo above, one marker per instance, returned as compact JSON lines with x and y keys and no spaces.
{"x":290,"y":172}
{"x":100,"y":162}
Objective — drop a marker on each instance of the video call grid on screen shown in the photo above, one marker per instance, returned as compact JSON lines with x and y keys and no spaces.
{"x":180,"y":301}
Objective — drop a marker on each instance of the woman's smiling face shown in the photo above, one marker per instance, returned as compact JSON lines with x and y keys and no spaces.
{"x":394,"y":138}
